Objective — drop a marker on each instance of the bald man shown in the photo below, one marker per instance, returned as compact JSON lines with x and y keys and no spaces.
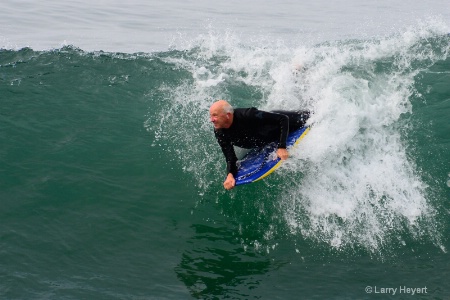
{"x":251,"y":128}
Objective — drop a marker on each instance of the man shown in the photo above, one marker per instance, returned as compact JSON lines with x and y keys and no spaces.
{"x":251,"y":128}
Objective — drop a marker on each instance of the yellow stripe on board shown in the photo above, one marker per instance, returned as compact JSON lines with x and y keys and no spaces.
{"x":270,"y":171}
{"x":279,"y":163}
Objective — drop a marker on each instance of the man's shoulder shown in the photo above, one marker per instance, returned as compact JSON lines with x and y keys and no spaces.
{"x":245,"y":111}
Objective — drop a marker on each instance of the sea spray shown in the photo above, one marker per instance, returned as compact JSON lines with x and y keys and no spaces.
{"x":351,"y":182}
{"x":359,"y":185}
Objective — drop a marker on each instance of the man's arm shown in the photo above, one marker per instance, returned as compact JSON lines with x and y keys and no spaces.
{"x":231,"y":159}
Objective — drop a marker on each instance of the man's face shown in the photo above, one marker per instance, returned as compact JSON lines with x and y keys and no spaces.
{"x":218,"y":117}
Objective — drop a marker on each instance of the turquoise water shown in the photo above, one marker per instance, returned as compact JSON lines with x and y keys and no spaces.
{"x":111,"y":179}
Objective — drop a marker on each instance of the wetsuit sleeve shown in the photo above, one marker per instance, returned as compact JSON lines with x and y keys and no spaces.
{"x":228,"y":152}
{"x":273,"y":119}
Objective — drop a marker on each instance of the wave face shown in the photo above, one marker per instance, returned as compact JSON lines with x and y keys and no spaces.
{"x":108,"y":161}
{"x":365,"y":176}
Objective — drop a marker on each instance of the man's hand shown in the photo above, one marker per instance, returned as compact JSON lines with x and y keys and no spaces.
{"x":229,"y":182}
{"x":282,"y":153}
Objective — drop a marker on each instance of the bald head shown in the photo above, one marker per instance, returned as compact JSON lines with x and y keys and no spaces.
{"x":222,"y":105}
{"x":221,"y":114}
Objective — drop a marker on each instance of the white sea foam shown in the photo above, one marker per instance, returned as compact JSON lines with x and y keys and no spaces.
{"x":359,"y":185}
{"x":352,"y":181}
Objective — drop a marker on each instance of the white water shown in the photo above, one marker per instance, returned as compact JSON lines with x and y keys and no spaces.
{"x":352,"y":181}
{"x":359,"y":185}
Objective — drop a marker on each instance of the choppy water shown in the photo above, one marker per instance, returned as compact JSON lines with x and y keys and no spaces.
{"x":111,"y":180}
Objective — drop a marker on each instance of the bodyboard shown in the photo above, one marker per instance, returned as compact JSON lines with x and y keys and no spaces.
{"x":261,"y":162}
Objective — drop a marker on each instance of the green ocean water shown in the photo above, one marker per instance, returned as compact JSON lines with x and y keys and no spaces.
{"x":111,"y":180}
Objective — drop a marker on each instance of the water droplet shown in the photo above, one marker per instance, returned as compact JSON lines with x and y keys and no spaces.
{"x":448,"y":183}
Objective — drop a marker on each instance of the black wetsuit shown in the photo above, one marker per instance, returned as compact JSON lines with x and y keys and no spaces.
{"x":252,"y":128}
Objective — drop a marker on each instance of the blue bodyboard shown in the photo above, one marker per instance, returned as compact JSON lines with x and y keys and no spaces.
{"x":260,"y":162}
